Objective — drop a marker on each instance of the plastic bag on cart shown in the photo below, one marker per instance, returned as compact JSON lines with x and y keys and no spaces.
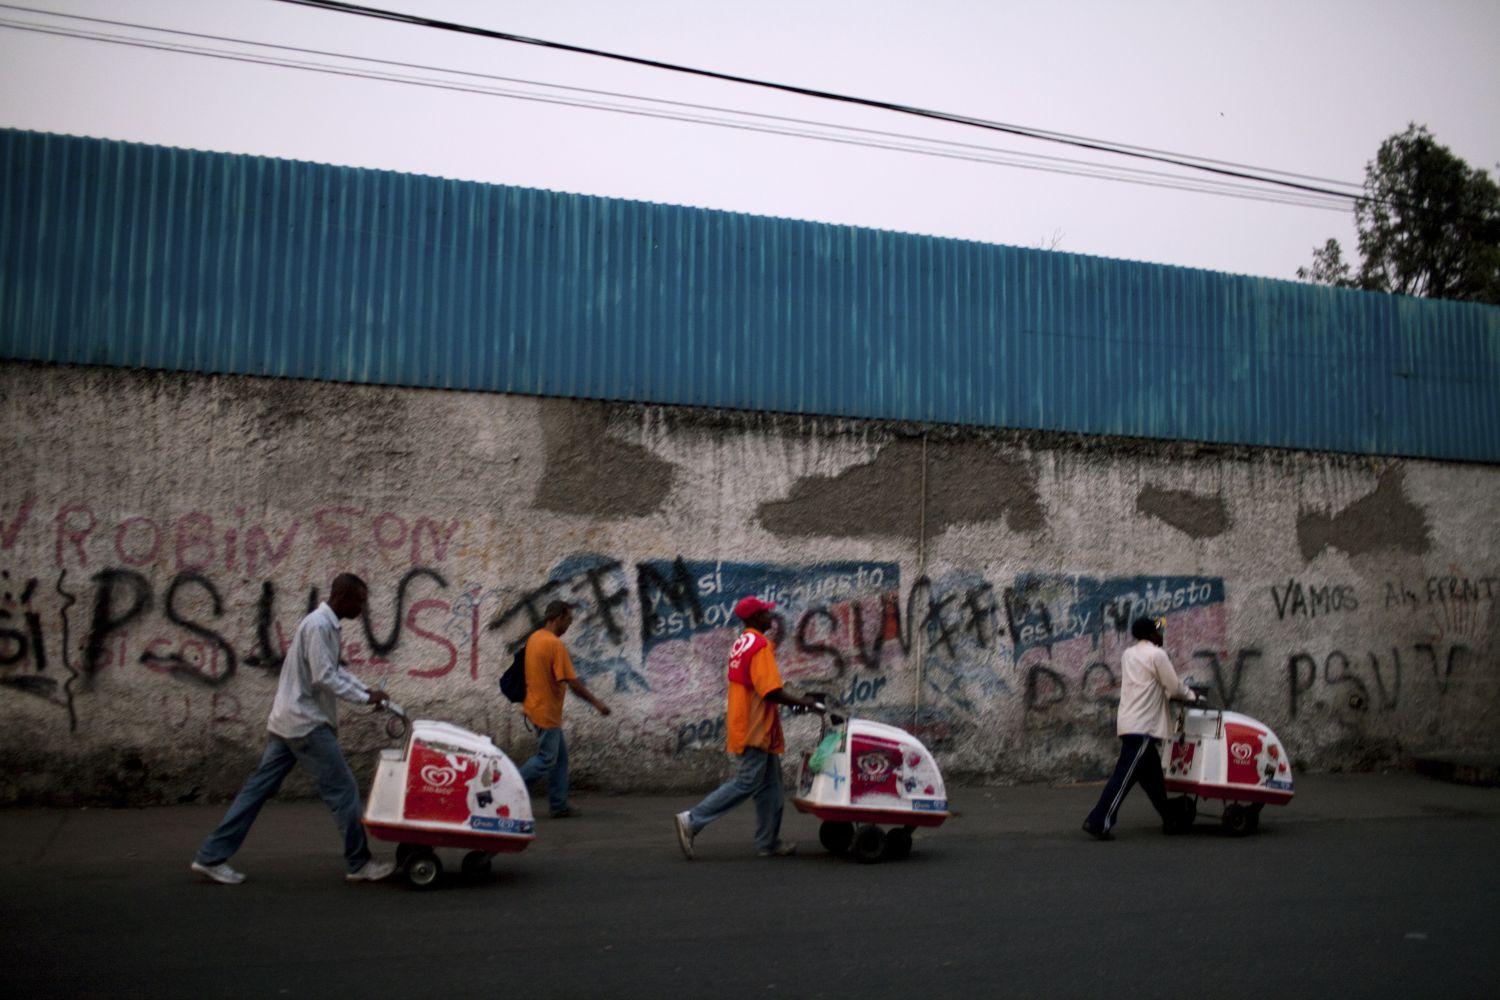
{"x":826,"y":749}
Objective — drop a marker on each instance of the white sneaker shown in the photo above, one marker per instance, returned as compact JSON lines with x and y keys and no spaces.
{"x":373,"y":871}
{"x":220,"y":873}
{"x":685,"y":833}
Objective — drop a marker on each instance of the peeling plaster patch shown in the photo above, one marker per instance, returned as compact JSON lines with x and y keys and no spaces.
{"x":295,"y":410}
{"x":1385,"y":519}
{"x":883,"y":497}
{"x":1193,"y":515}
{"x":589,"y":473}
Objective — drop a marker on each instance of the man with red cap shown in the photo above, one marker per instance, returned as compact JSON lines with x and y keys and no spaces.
{"x":753,"y":721}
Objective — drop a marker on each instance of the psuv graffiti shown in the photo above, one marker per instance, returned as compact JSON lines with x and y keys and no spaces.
{"x":1369,"y":680}
{"x":123,"y":596}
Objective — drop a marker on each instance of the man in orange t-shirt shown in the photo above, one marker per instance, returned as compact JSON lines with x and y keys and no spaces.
{"x":753,"y":720}
{"x":549,"y":674}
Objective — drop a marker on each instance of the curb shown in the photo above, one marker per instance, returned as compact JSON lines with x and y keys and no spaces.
{"x":1481,"y":771}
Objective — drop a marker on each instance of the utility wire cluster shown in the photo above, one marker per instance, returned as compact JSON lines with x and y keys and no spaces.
{"x":1228,"y":179}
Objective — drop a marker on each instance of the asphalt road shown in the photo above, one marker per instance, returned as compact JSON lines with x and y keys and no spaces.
{"x":1371,"y":885}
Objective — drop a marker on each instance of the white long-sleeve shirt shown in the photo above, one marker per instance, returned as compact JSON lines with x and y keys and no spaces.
{"x":1147,"y":680}
{"x":312,"y":680}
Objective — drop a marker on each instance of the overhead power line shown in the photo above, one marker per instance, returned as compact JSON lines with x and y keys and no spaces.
{"x":634,"y":97}
{"x":1084,"y":168}
{"x":924,"y":145}
{"x":1256,"y":174}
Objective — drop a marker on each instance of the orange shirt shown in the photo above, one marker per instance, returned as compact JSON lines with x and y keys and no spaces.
{"x":752,"y":721}
{"x":547,"y":666}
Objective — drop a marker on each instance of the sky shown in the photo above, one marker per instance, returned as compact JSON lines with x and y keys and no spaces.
{"x":1310,"y":87}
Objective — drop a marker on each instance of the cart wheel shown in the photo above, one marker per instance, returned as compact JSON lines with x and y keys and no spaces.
{"x":404,"y":853}
{"x":1255,"y":817}
{"x":898,"y":843}
{"x":1186,"y":812}
{"x":869,"y":843}
{"x":423,"y":869}
{"x":476,"y":864}
{"x":836,"y":837}
{"x":1237,"y":820}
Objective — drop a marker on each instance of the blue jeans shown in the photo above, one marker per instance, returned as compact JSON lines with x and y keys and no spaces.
{"x":759,"y":775}
{"x":551,"y":762}
{"x":319,"y":752}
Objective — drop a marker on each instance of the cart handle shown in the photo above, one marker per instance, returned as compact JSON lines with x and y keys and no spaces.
{"x":397,"y":726}
{"x":1183,"y":704}
{"x":1201,"y":690}
{"x":832,"y":712}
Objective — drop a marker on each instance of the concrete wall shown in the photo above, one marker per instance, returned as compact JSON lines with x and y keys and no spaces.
{"x":161,"y":535}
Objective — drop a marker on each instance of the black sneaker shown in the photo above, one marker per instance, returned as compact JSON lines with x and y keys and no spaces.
{"x":1097,"y":833}
{"x":566,"y":812}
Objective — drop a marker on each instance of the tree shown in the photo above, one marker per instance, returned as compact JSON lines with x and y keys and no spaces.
{"x":1329,"y":267}
{"x":1429,"y":224}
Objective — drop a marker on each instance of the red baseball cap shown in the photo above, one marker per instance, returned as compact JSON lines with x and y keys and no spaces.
{"x":750,"y":606}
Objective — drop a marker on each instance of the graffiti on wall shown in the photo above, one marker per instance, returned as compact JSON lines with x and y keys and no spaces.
{"x":830,"y":617}
{"x":1308,"y":599}
{"x":193,"y":604}
{"x":24,"y":665}
{"x":201,"y":596}
{"x":841,"y":626}
{"x":1370,"y":681}
{"x":1069,"y":632}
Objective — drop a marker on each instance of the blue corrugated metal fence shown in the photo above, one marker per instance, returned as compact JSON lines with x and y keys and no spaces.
{"x":143,"y":256}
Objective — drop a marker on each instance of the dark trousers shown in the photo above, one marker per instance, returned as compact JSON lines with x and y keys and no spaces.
{"x":1140,"y":761}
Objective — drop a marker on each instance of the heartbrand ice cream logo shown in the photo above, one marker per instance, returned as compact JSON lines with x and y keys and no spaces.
{"x":439,"y":777}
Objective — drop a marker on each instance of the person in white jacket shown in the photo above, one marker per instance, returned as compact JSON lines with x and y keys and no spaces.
{"x":1147,"y":680}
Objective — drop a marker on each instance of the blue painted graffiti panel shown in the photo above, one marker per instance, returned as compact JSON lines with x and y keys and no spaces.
{"x":1047,"y":609}
{"x":684,"y":598}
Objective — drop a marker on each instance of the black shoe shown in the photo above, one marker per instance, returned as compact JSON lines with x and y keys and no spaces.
{"x":1096,"y":832}
{"x":566,"y":812}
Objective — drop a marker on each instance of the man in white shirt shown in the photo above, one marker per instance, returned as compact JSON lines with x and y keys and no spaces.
{"x":1147,"y":680}
{"x":303,"y":729}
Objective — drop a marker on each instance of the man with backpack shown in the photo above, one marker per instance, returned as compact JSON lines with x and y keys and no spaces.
{"x":548,"y":673}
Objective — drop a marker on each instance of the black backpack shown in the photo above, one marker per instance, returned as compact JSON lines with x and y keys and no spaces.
{"x":513,"y":681}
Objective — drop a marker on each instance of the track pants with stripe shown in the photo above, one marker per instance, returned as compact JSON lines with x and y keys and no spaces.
{"x":1140,"y":761}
